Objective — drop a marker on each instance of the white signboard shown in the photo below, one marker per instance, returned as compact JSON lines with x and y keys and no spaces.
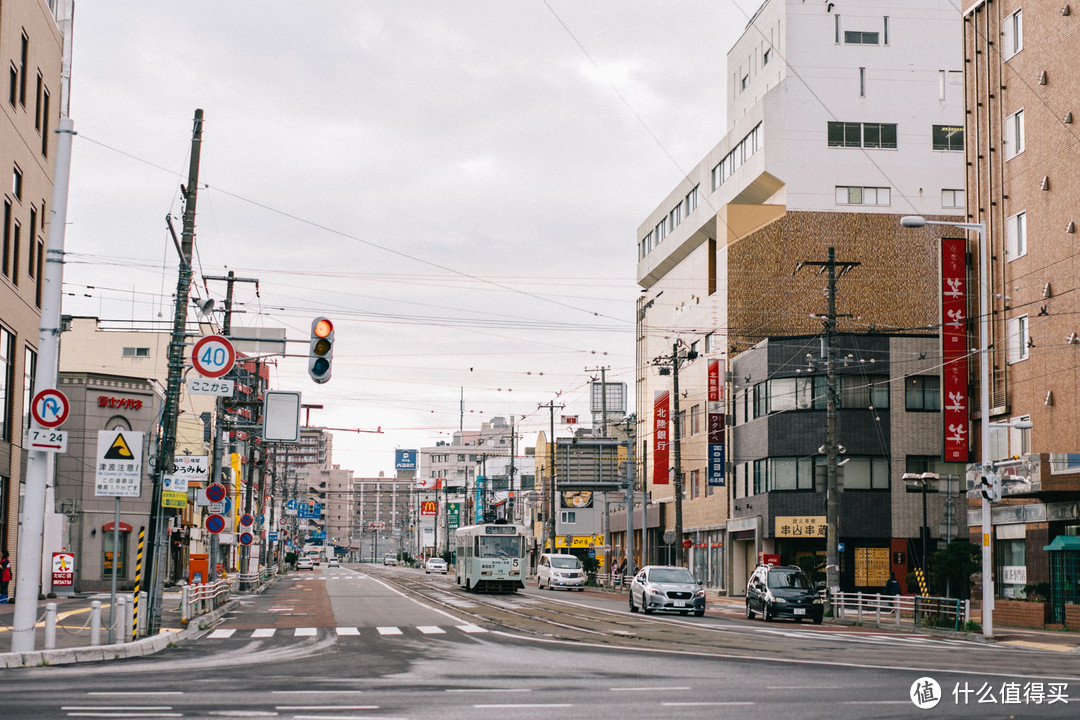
{"x":211,"y":386}
{"x":119,"y":463}
{"x":48,"y":440}
{"x":195,"y":468}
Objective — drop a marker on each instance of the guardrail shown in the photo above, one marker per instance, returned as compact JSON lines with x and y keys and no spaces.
{"x":898,"y":610}
{"x":204,"y":597}
{"x":248,"y":580}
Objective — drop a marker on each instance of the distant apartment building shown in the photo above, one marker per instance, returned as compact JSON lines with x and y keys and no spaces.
{"x":1021,"y":125}
{"x":841,"y":118}
{"x":31,"y":47}
{"x":383,"y":519}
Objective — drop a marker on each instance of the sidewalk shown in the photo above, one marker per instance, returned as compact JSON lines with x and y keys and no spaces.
{"x":73,"y":632}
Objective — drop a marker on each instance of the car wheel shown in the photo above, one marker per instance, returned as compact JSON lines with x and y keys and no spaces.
{"x":633,"y":607}
{"x":749,"y":612}
{"x":767,"y":614}
{"x":699,"y":613}
{"x":645,"y":606}
{"x":538,"y":585}
{"x":581,"y":589}
{"x":818,"y":619}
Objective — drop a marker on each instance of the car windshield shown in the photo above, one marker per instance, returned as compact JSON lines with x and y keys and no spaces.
{"x":568,"y":563}
{"x":789,"y":579}
{"x":671,"y":575}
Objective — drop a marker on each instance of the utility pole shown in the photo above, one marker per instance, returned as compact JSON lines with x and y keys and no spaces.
{"x":157,"y":541}
{"x":603,"y":397}
{"x":679,"y":354}
{"x":40,"y":464}
{"x":832,"y":494}
{"x":554,"y":473}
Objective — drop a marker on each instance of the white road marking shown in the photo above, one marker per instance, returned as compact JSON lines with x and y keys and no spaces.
{"x":222,"y":633}
{"x":305,"y":632}
{"x":471,"y":629}
{"x":431,"y":629}
{"x":263,"y":632}
{"x":348,"y":631}
{"x":389,"y":630}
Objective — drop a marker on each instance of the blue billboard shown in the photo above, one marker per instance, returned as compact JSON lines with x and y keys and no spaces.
{"x":405,"y":459}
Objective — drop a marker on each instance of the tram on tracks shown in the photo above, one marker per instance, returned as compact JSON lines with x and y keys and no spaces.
{"x":490,"y":558}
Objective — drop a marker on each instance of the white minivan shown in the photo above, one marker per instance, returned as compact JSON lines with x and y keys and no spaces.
{"x":560,"y":570}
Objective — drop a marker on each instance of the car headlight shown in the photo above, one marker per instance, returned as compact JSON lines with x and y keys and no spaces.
{"x":779,"y":601}
{"x":818,"y":601}
{"x":699,"y":594}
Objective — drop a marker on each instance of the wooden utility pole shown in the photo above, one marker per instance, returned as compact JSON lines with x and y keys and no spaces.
{"x":157,"y":559}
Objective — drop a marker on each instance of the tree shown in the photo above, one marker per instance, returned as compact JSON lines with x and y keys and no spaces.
{"x":952,"y":567}
{"x":813,"y":566}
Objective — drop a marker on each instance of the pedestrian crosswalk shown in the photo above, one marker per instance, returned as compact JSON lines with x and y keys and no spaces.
{"x":340,"y":631}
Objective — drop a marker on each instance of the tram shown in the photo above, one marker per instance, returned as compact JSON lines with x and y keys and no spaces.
{"x":490,"y":558}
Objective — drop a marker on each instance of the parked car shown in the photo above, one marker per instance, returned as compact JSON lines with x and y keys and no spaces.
{"x":783,"y":591}
{"x":333,"y":562}
{"x":304,"y":564}
{"x":435,"y":565}
{"x":389,"y":559}
{"x":667,"y":588}
{"x":560,"y":570}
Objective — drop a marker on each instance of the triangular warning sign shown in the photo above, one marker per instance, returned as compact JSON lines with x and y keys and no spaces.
{"x":119,"y":450}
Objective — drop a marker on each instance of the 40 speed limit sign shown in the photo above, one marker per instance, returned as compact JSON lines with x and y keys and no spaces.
{"x":213,"y":356}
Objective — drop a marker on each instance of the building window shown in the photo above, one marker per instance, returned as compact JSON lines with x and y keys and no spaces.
{"x":1013,"y":32}
{"x":948,"y":137}
{"x":856,"y":37}
{"x":692,"y":200}
{"x":569,"y":516}
{"x":864,"y":391}
{"x":29,"y":372}
{"x":850,"y":195}
{"x":744,"y":82}
{"x":869,"y":135}
{"x":862,"y":82}
{"x":136,"y":352}
{"x":13,"y":85}
{"x":7,"y":381}
{"x":767,"y":56}
{"x":17,"y":182}
{"x":695,"y":484}
{"x":885,"y":29}
{"x":1014,"y":134}
{"x":1016,"y":236}
{"x":866,"y":474}
{"x":695,"y":420}
{"x":1018,"y":338}
{"x":24,"y":56}
{"x":37,"y":102}
{"x":922,"y":393}
{"x":952,"y":198}
{"x":45,"y":122}
{"x":7,"y":238}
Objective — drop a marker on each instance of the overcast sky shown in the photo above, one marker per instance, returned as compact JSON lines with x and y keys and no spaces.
{"x":457,"y":185}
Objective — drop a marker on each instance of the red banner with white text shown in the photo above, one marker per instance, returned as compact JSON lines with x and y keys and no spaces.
{"x":954,"y":350}
{"x":661,"y":436}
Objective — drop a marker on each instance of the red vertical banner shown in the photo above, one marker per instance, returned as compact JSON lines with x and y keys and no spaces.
{"x":715,"y":405}
{"x":661,"y":436}
{"x":954,"y":350}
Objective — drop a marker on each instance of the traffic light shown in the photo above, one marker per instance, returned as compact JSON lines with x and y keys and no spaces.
{"x":322,"y":349}
{"x":990,"y":487}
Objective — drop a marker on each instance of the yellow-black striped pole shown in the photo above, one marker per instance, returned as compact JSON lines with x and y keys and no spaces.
{"x":138,"y":582}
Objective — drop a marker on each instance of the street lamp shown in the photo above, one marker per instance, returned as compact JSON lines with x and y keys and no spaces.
{"x":917,"y":221}
{"x":925,"y":482}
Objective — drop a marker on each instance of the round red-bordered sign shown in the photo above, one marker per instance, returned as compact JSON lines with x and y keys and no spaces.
{"x":50,"y":408}
{"x":213,"y":356}
{"x":246,"y":538}
{"x":215,"y":492}
{"x":215,"y":524}
{"x":246,"y":520}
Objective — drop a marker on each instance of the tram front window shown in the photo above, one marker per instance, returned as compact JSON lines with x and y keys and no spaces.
{"x":500,"y":547}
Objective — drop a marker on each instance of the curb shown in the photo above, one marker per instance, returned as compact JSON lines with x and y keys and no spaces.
{"x":119,"y":651}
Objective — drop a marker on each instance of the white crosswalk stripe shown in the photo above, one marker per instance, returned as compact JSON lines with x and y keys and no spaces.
{"x":340,"y":631}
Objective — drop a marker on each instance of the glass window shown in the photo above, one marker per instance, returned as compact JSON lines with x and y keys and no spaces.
{"x":1016,"y":236}
{"x":947,"y":137}
{"x":1014,"y":134}
{"x":952,"y":198}
{"x":856,"y":37}
{"x":1013,"y":33}
{"x":879,"y":135}
{"x":863,"y":473}
{"x":1018,"y":338}
{"x":922,"y":392}
{"x":864,"y":391}
{"x":7,"y":380}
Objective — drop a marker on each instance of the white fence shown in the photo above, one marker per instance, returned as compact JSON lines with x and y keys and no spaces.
{"x":899,"y":610}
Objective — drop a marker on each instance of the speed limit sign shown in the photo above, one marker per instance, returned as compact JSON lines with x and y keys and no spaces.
{"x":213,"y":356}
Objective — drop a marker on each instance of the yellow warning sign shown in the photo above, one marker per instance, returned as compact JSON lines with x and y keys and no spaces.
{"x":119,"y":449}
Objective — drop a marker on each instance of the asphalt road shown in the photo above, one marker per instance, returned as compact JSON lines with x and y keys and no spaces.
{"x":367,"y":641}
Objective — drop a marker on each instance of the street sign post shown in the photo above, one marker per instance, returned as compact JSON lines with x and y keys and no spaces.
{"x":215,"y":524}
{"x":48,"y":440}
